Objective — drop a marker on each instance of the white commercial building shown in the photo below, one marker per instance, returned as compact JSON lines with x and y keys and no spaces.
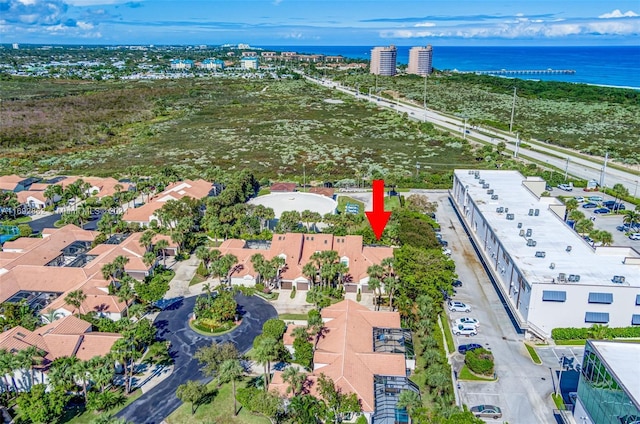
{"x":249,"y":63}
{"x":547,"y":274}
{"x":420,"y":60}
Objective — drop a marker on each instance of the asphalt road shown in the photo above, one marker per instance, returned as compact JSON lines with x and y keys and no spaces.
{"x":523,"y":389}
{"x":557,"y":157}
{"x":155,"y":405}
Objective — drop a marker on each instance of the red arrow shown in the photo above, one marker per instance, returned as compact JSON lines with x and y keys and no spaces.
{"x":378,"y":218}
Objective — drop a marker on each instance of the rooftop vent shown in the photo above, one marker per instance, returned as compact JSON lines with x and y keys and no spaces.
{"x":536,"y":212}
{"x":490,"y":191}
{"x":500,"y":209}
{"x":485,"y":185}
{"x":568,"y":249}
{"x":529,"y":232}
{"x":521,"y":233}
{"x":510,"y":216}
{"x":530,"y":212}
{"x":562,"y":277}
{"x":506,"y":210}
{"x":519,"y":224}
{"x":531,"y":243}
{"x":573,"y":278}
{"x":618,"y":279}
{"x":540,"y":254}
{"x":476,"y":176}
{"x":552,"y":265}
{"x":494,"y":197}
{"x":471,"y":172}
{"x":480,"y":181}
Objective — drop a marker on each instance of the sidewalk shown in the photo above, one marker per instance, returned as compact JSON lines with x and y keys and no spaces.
{"x":185,"y":270}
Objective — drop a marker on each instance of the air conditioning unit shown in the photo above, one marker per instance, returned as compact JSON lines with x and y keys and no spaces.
{"x":490,"y":191}
{"x":521,"y":233}
{"x":531,"y":243}
{"x":485,"y":185}
{"x":530,"y":212}
{"x":529,"y":232}
{"x":568,"y":249}
{"x":618,"y":279}
{"x":500,"y":209}
{"x":476,"y":176}
{"x":510,"y":216}
{"x":536,"y":212}
{"x":540,"y":254}
{"x":480,"y":181}
{"x":506,"y":210}
{"x":471,"y":172}
{"x":552,"y":265}
{"x":494,"y":197}
{"x":519,"y":224}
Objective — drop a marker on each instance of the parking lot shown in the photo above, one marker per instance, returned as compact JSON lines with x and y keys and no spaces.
{"x":522,"y":389}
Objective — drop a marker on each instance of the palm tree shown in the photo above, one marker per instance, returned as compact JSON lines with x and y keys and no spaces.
{"x":149,"y":258}
{"x":231,"y":370}
{"x":51,"y":315}
{"x":7,"y":367}
{"x":571,"y":205}
{"x":310,"y":271}
{"x":264,"y":352}
{"x":81,"y":371}
{"x":296,"y":380}
{"x":75,"y":299}
{"x":120,"y":262}
{"x":126,"y":294}
{"x":575,"y":216}
{"x":631,"y":217}
{"x":203,"y":253}
{"x":27,"y":359}
{"x":160,"y":246}
{"x":410,"y":401}
{"x":606,"y":238}
{"x":584,"y":226}
{"x":146,"y":239}
{"x":599,"y":332}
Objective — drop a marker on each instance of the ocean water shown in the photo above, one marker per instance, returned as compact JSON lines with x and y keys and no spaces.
{"x":611,"y":65}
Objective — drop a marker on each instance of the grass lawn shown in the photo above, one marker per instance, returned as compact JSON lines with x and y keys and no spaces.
{"x":78,"y":415}
{"x":197,"y":279}
{"x":557,"y":399}
{"x":19,"y":220}
{"x":391,"y":202}
{"x":466,"y":374}
{"x":447,"y":333}
{"x":582,"y":342}
{"x":218,"y":410}
{"x":293,"y":317}
{"x":534,"y":355}
{"x":343,"y":200}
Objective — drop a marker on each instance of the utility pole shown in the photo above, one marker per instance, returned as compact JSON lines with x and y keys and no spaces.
{"x":566,"y":169}
{"x":513,"y":109}
{"x":604,"y":170}
{"x":425,"y":93}
{"x":515,"y":152}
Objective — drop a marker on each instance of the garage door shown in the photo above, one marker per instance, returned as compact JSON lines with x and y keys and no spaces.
{"x":351,"y":288}
{"x":366,"y":289}
{"x":286,"y":285}
{"x":303,"y":286}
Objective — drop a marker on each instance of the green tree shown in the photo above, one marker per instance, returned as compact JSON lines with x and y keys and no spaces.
{"x":296,"y":380}
{"x":38,"y":406}
{"x":210,"y":357}
{"x":264,"y":351}
{"x":274,"y":328}
{"x":75,"y":299}
{"x":338,"y":403}
{"x":231,"y":370}
{"x":161,"y":247}
{"x":571,"y":205}
{"x":410,"y":401}
{"x":576,"y":216}
{"x":192,"y":392}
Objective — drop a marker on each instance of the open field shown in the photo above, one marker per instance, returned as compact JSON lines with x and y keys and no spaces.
{"x":268,"y":126}
{"x":591,"y":119}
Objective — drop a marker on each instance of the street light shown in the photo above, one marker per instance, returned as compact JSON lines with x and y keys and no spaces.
{"x":635,"y":192}
{"x":561,"y":361}
{"x":464,"y":131}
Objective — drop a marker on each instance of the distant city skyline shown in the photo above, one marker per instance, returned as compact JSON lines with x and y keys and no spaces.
{"x":309,"y":23}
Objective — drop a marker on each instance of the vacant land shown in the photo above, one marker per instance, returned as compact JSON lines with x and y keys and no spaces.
{"x":594,"y":120}
{"x":268,"y":126}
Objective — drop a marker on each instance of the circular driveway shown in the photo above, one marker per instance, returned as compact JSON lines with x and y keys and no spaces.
{"x":173,"y":325}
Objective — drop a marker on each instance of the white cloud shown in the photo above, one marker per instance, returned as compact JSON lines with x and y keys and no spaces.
{"x":84,"y":25}
{"x":618,"y":14}
{"x":93,"y":2}
{"x":425,"y":24}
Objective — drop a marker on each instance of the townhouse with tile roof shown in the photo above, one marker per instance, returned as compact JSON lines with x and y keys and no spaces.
{"x":296,"y":249}
{"x":68,"y":336}
{"x":145,"y":214}
{"x":363,"y":352}
{"x":42,"y":271}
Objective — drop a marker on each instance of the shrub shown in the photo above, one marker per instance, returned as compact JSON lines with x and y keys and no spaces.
{"x":572,"y":333}
{"x":260,"y":287}
{"x":274,"y":328}
{"x":359,"y":296}
{"x":480,"y":361}
{"x":25,"y":230}
{"x":202,"y":270}
{"x":293,"y":293}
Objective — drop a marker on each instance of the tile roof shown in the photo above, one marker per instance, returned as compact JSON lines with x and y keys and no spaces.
{"x":20,"y":244}
{"x":283,"y":187}
{"x":297,"y":249}
{"x":33,"y":278}
{"x":23,"y":196}
{"x":67,"y":336}
{"x":325,"y":191}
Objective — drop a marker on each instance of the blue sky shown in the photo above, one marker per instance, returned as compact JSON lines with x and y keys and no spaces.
{"x":298,"y":22}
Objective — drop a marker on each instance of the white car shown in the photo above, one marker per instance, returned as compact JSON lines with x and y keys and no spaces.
{"x":446,"y":251}
{"x":466,"y":321}
{"x":455,"y":306}
{"x":635,"y":236}
{"x":579,"y":199}
{"x":465,"y":330}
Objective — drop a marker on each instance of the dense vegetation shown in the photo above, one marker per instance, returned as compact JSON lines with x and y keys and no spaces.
{"x":598,"y":332}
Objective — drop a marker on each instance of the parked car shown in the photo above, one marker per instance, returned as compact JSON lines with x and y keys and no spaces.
{"x":614,"y":206}
{"x":487,"y":411}
{"x":463,"y":349}
{"x":443,"y":243}
{"x":467,"y":321}
{"x":634,"y":236}
{"x":446,"y":251}
{"x":579,"y":199}
{"x":590,"y":205}
{"x":457,"y":283}
{"x":455,"y":306}
{"x":595,"y":198}
{"x":621,"y":228}
{"x":465,"y":330}
{"x":548,"y":188}
{"x":601,"y":210}
{"x":565,"y":187}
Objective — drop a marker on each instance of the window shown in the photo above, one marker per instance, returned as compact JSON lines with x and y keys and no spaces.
{"x":596,"y":317}
{"x":638,"y":300}
{"x":601,"y":298}
{"x":635,"y":319}
{"x":554,"y":296}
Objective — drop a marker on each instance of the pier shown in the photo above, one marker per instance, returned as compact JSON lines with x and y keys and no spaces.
{"x":522,"y":72}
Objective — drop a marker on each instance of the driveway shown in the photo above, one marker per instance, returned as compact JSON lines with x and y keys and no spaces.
{"x":154,"y":406}
{"x":523,"y":389}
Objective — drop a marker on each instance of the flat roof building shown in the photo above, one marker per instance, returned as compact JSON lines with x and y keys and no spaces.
{"x":548,"y":275}
{"x":249,"y":63}
{"x":420,"y":60}
{"x":609,"y":385}
{"x":383,"y":60}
